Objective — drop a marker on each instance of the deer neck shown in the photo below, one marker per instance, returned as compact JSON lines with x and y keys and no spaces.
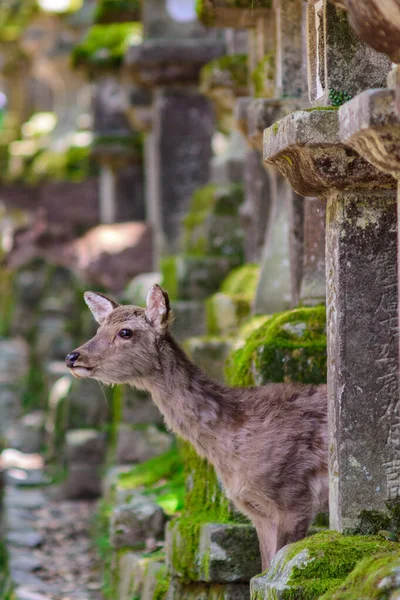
{"x":192,"y":404}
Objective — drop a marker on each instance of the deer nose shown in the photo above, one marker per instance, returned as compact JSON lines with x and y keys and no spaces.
{"x":71,"y":358}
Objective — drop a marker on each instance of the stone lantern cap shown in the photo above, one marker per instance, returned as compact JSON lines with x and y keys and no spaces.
{"x":232,"y":13}
{"x":306,"y":148}
{"x":371,"y":125}
{"x":170,"y":61}
{"x":264,"y":112}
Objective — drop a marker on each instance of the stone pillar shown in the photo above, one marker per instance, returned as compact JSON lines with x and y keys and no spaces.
{"x":178,"y":149}
{"x":339,"y":64}
{"x":370,"y":124}
{"x":362,"y":305}
{"x":117,"y":149}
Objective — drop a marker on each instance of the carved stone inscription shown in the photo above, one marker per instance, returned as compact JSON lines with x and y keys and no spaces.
{"x":363,"y":387}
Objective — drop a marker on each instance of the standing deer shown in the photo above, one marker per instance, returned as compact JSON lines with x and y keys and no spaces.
{"x":268,"y":444}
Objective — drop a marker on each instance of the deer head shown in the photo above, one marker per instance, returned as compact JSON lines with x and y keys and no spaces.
{"x":128,"y":345}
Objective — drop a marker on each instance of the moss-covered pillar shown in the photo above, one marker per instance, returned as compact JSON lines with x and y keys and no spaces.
{"x":362,"y":304}
{"x":178,"y":148}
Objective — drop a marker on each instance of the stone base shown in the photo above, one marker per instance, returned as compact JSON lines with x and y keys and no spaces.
{"x":224,"y":553}
{"x":202,"y":591}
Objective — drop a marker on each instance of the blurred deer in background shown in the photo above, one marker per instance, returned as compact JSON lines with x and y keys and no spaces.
{"x":268,"y":444}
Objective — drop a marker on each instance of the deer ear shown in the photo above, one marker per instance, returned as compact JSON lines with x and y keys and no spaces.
{"x":100,"y":306}
{"x":157,"y":307}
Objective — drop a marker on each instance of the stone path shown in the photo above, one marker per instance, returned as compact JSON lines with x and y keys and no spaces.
{"x":48,"y":543}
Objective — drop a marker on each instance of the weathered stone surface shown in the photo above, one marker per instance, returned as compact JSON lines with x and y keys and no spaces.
{"x":110,"y":480}
{"x":306,"y":148}
{"x":228,"y":553}
{"x":133,"y":523}
{"x":83,"y":481}
{"x":362,"y":306}
{"x":210,"y":354}
{"x":140,"y":444}
{"x":14,"y":356}
{"x":228,"y":167}
{"x":204,"y":591}
{"x":370,"y":124}
{"x":274,"y":291}
{"x":255,"y":211}
{"x":312,"y":289}
{"x":178,"y":154}
{"x":159,"y":62}
{"x":376,"y":24}
{"x":130,"y":575}
{"x":85,"y":446}
{"x":223,"y":13}
{"x":189,"y":319}
{"x":340,"y":64}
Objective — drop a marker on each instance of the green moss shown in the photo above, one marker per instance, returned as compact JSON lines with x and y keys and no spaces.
{"x":338,"y":97}
{"x":319,"y":108}
{"x":275,"y":128}
{"x":234,"y":67}
{"x":161,"y":477}
{"x":162,"y":584}
{"x":374,"y":578}
{"x":105,"y":45}
{"x":330,"y":558}
{"x":212,"y":225}
{"x":290,"y":346}
{"x":169,"y":276}
{"x":235,"y":296}
{"x":205,"y":502}
{"x":263,"y":76}
{"x":116,"y":11}
{"x":73,"y":164}
{"x":371,"y":522}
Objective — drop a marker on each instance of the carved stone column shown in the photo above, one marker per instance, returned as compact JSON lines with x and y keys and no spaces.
{"x":362,"y":304}
{"x":370,"y":124}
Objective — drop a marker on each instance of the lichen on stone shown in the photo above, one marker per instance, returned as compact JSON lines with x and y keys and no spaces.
{"x":290,"y":346}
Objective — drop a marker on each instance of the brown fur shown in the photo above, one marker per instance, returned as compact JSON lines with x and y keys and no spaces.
{"x":267,"y":444}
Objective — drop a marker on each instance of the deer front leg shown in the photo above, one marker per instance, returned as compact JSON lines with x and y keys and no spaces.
{"x":267,"y":532}
{"x":292,"y":528}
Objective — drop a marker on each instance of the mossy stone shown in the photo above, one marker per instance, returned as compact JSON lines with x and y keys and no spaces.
{"x":374,"y":578}
{"x":104,"y":46}
{"x":230,"y":307}
{"x":117,"y":11}
{"x":209,"y":353}
{"x":309,"y":568}
{"x":290,"y":346}
{"x":212,"y":225}
{"x":188,"y":277}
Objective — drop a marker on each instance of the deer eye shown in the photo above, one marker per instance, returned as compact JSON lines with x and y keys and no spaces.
{"x":125,"y":334}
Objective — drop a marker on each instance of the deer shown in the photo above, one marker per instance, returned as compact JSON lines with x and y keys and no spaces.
{"x":268,"y":444}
